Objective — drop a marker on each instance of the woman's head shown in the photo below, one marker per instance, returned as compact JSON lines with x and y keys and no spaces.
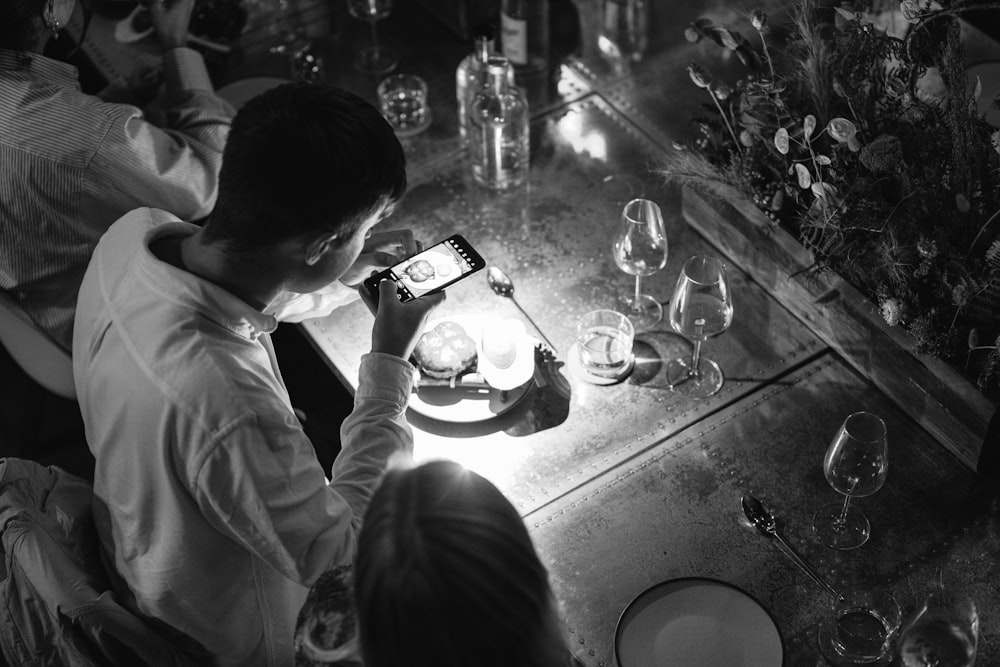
{"x":447,"y":576}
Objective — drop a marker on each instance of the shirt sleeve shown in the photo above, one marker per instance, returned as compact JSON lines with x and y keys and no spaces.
{"x":295,"y":307}
{"x":173,"y":165}
{"x":273,"y":497}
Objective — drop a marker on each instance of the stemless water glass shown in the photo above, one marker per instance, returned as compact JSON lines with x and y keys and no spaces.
{"x":640,"y":249}
{"x":944,"y":633}
{"x":373,"y":59}
{"x":701,"y":307}
{"x":861,"y":627}
{"x":855,"y":464}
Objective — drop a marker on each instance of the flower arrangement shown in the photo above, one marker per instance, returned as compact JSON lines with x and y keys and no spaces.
{"x":870,"y":148}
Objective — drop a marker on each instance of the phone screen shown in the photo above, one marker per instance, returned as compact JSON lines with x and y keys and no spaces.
{"x":433,"y":268}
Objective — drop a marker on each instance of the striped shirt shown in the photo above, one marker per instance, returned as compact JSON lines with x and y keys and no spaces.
{"x":71,"y":164}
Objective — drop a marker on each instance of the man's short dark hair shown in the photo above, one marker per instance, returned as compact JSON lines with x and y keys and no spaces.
{"x":304,"y":157}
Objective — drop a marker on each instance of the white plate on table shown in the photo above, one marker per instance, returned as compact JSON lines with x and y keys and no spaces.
{"x":697,"y":622}
{"x":467,"y":404}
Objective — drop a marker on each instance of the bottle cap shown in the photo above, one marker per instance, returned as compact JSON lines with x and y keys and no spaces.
{"x":497,"y":64}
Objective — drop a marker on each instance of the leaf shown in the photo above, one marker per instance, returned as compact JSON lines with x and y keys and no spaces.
{"x":978,"y":90}
{"x":728,"y":40}
{"x":805,"y":179}
{"x":823,"y":160}
{"x":781,"y":140}
{"x":993,"y":254}
{"x":808,"y":125}
{"x":846,"y":13}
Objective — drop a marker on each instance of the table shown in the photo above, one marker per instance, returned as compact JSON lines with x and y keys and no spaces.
{"x":627,"y":485}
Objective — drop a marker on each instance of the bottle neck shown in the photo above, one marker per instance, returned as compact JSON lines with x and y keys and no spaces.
{"x":496,"y":81}
{"x":484,"y":49}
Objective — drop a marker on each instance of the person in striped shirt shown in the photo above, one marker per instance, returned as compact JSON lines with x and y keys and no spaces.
{"x":71,"y":164}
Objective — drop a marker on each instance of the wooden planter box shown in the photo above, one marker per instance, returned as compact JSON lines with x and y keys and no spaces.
{"x":933,"y":393}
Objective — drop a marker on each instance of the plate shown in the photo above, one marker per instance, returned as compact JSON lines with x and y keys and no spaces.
{"x":469,"y":404}
{"x":126,"y":33}
{"x":697,"y":622}
{"x":241,"y":91}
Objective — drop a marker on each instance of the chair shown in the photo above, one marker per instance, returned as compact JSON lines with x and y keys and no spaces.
{"x":38,"y":355}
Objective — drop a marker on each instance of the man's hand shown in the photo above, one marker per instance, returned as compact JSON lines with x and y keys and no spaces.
{"x":382,"y":250}
{"x":398,"y":325}
{"x":171,"y":19}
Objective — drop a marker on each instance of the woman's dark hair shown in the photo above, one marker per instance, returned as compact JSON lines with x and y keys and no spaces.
{"x":19,"y":21}
{"x":447,"y":576}
{"x":303,"y":157}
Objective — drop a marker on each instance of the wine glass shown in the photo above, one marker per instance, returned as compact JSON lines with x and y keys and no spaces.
{"x":373,"y":59}
{"x":944,"y":632}
{"x":855,"y":464}
{"x":640,"y":249}
{"x":701,"y":307}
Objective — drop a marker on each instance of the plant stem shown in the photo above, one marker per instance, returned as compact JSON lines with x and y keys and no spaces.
{"x":739,"y":146}
{"x":638,"y":294}
{"x":983,"y":229}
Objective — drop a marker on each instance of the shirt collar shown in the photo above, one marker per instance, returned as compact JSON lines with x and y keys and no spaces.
{"x":39,"y":66}
{"x":198,"y":294}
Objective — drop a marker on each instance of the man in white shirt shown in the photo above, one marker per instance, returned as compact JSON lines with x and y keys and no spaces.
{"x":209,"y":500}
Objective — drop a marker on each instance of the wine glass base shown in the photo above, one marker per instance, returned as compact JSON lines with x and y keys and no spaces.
{"x":852,"y":534}
{"x":644,"y":314}
{"x":827,"y":647}
{"x":372,"y":60}
{"x":706,"y":382}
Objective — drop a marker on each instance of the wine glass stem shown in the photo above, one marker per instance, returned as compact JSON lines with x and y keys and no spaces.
{"x":373,"y":22}
{"x":842,"y":519}
{"x":699,"y":325}
{"x":636,"y":303}
{"x":695,"y":359}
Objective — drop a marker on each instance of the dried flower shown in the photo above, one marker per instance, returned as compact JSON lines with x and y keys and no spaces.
{"x":758,"y":20}
{"x":700,"y":75}
{"x":892,"y":311}
{"x":962,"y":203}
{"x":841,"y":129}
{"x":883,"y":155}
{"x":777,"y":200}
{"x":910,"y":10}
{"x":692,"y":34}
{"x":960,"y":294}
{"x":808,"y":125}
{"x":781,"y":140}
{"x":721,"y":91}
{"x":927,"y":248}
{"x":805,"y":178}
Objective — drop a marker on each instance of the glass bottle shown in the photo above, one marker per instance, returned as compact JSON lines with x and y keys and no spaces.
{"x":524,"y":37}
{"x":471,"y":74}
{"x":498,"y":132}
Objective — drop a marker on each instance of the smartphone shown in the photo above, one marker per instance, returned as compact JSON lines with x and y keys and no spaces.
{"x":430,"y":270}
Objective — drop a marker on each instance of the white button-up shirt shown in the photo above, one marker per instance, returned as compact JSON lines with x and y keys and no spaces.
{"x":71,"y":164}
{"x":209,"y":500}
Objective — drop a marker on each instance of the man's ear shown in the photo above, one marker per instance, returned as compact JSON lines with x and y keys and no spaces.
{"x":318,"y":247}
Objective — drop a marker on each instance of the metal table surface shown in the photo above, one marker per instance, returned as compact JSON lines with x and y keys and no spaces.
{"x":627,"y":485}
{"x":553,"y":238}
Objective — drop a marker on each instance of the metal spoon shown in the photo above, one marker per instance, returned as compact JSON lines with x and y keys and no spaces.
{"x":764,"y":521}
{"x":501,"y":283}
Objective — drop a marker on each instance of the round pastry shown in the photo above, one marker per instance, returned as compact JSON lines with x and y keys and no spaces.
{"x":445,"y":351}
{"x":420,"y":271}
